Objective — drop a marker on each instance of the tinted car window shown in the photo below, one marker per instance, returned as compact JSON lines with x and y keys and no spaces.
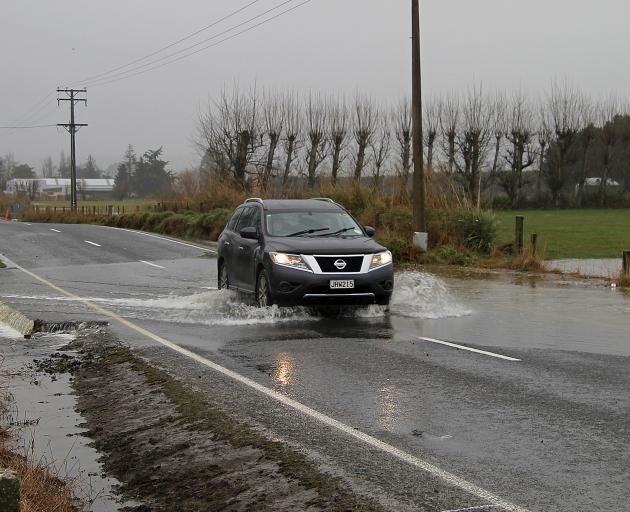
{"x":232,"y":224}
{"x":324,"y":222}
{"x":244,"y":220}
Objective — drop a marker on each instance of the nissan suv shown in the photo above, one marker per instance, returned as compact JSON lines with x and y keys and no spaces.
{"x":303,"y":252}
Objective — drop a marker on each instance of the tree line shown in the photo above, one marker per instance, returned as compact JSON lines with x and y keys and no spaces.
{"x":488,"y":144}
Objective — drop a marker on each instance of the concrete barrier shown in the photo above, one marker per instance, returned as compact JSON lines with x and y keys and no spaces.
{"x":9,"y":491}
{"x":16,"y":321}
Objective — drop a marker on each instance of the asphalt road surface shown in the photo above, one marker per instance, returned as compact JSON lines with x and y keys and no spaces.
{"x":535,"y":417}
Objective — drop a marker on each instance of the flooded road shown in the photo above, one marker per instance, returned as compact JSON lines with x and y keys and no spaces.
{"x":538,"y":413}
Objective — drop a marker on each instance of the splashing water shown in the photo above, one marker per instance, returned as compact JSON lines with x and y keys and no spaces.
{"x":423,"y":295}
{"x":416,"y":295}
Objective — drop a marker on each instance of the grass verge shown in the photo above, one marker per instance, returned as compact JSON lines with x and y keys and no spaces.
{"x":197,"y":414}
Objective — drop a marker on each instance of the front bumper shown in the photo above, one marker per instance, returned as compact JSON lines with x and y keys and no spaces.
{"x":291,"y":287}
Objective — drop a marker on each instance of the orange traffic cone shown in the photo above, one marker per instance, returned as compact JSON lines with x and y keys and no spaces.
{"x":7,"y":214}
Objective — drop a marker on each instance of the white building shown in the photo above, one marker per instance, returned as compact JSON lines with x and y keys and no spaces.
{"x":59,"y":188}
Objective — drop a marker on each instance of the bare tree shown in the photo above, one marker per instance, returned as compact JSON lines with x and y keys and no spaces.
{"x":228,"y":134}
{"x":48,"y":168}
{"x":381,"y":144}
{"x":293,"y":128}
{"x":274,"y":124}
{"x":473,"y":139}
{"x":449,"y":123}
{"x":364,"y":123}
{"x":499,"y":124}
{"x":520,"y":135}
{"x":188,"y":183}
{"x":608,"y":113}
{"x":562,"y":112}
{"x":587,"y":137}
{"x":316,"y":131}
{"x":431,"y":125}
{"x":337,"y":134}
{"x":544,"y":138}
{"x":402,"y":126}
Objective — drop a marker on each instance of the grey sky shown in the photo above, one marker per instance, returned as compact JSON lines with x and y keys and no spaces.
{"x":332,"y":46}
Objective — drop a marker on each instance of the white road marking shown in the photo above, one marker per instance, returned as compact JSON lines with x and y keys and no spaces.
{"x":91,"y":243}
{"x":27,"y":224}
{"x":151,"y":264}
{"x":483,"y":508}
{"x":469,"y":349}
{"x":447,"y":477}
{"x":55,"y":230}
{"x":204,"y":249}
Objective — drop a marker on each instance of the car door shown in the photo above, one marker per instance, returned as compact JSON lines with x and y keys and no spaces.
{"x":227,"y":242}
{"x":245,"y":249}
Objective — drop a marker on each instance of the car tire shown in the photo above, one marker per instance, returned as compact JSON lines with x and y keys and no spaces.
{"x":223,"y":282}
{"x":263,"y":294}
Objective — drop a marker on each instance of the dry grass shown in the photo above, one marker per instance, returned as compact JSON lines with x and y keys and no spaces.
{"x":624,"y":281}
{"x":42,"y":489}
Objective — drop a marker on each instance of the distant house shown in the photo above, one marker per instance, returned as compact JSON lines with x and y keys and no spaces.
{"x":59,"y":188}
{"x":594,"y":184}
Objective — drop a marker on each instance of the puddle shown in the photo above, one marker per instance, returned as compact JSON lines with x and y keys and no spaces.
{"x":592,"y":268}
{"x":44,"y":412}
{"x":417,"y":295}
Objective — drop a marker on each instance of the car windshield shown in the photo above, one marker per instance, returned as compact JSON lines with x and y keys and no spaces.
{"x":312,"y":223}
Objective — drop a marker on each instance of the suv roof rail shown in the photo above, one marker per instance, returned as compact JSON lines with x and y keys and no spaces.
{"x":327,"y":199}
{"x":255,"y":200}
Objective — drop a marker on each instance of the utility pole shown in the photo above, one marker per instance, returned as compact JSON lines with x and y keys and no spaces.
{"x":418,"y":195}
{"x":74,"y":96}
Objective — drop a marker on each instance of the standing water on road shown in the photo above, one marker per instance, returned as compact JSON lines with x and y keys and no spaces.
{"x":417,"y":295}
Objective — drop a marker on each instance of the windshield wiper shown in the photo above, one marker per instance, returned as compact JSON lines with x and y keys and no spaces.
{"x":308,"y":232}
{"x":337,"y":232}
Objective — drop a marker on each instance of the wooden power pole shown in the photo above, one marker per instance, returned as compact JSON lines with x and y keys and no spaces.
{"x":73,"y":96}
{"x":418,"y":195}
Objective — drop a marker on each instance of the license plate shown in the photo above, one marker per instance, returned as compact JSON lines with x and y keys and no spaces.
{"x":342,"y":285}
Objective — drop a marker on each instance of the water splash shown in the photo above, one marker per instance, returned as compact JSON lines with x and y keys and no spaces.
{"x":424,"y":295}
{"x":417,"y":295}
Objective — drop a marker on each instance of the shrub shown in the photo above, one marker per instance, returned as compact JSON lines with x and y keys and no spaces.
{"x":478,"y":231}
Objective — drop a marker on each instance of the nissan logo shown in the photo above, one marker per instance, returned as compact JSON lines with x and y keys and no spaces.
{"x":340,"y":264}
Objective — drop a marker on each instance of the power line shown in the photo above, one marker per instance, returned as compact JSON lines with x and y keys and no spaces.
{"x":26,"y":127}
{"x":107,"y":81}
{"x":183,"y":50}
{"x":168,"y":46}
{"x":27,"y":114}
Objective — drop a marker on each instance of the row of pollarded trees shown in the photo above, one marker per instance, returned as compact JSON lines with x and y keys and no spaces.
{"x":483,"y":141}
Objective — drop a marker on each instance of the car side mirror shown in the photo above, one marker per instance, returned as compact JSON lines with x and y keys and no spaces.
{"x":249,"y":233}
{"x":369,"y":231}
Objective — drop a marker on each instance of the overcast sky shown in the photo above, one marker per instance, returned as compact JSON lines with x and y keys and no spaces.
{"x":332,"y":46}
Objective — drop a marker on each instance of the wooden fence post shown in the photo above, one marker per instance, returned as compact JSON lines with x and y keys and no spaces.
{"x":534,"y":244}
{"x":9,"y":491}
{"x":518,"y":240}
{"x":626,"y":263}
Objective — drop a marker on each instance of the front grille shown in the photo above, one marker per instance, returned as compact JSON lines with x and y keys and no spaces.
{"x":327,"y":263}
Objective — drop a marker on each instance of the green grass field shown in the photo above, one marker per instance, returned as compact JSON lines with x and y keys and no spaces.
{"x":572,"y":233}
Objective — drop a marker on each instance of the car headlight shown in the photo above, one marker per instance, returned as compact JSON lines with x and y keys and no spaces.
{"x":381,"y":259}
{"x":289,"y":260}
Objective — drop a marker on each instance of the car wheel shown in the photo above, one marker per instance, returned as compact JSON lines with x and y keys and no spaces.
{"x":263,"y":296}
{"x":224,"y":282}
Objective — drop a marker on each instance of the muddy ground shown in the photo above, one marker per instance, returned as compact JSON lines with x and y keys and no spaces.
{"x":173,"y":449}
